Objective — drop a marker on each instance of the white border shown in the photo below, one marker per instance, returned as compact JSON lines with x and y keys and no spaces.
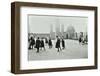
{"x":25,"y":64}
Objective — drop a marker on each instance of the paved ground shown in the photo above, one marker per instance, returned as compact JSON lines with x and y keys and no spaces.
{"x":73,"y":50}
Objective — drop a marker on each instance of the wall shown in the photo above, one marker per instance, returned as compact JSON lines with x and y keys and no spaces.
{"x":5,"y":42}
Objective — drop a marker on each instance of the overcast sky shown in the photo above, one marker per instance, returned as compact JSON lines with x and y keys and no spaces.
{"x":41,"y":24}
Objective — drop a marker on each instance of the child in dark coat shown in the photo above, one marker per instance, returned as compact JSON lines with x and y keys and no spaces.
{"x":58,"y":43}
{"x":50,"y":43}
{"x":80,"y":39}
{"x":63,"y":43}
{"x":38,"y":44}
{"x":32,"y":43}
{"x":46,"y":40}
{"x":42,"y":44}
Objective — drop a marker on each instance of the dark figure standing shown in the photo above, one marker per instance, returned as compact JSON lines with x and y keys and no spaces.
{"x":46,"y":40}
{"x":63,"y":43}
{"x":80,"y":39}
{"x":37,"y":44}
{"x":50,"y":43}
{"x":42,"y":44}
{"x":83,"y":40}
{"x":58,"y":43}
{"x":32,"y":43}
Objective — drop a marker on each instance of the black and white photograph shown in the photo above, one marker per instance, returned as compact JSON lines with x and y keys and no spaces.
{"x":52,"y":37}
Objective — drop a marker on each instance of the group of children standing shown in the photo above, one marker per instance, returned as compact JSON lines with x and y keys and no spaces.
{"x":83,"y":40}
{"x":40,"y":44}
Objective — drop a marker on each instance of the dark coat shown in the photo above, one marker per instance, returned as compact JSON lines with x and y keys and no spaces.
{"x":80,"y":39}
{"x":41,"y":43}
{"x":50,"y":42}
{"x":33,"y":42}
{"x":58,"y":43}
{"x":63,"y":43}
{"x":37,"y":43}
{"x":46,"y":40}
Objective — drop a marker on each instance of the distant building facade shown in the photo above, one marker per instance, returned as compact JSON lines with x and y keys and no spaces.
{"x":70,"y":32}
{"x":40,"y":35}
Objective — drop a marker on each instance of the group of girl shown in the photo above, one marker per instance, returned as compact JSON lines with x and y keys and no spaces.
{"x":39,"y":43}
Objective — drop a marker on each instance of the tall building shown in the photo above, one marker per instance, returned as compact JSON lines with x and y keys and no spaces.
{"x":58,"y":33}
{"x":52,"y":34}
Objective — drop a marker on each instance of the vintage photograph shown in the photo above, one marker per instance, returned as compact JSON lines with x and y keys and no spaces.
{"x":53,"y":37}
{"x":57,"y":37}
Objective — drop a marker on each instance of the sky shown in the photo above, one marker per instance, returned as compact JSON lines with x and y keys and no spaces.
{"x":42,"y":23}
